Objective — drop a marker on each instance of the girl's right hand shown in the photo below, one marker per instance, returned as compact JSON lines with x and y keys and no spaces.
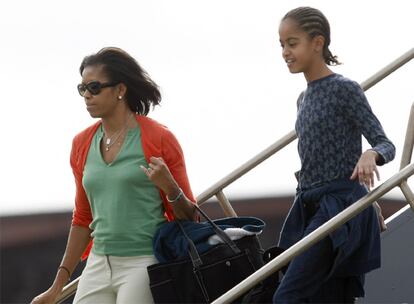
{"x":48,"y":297}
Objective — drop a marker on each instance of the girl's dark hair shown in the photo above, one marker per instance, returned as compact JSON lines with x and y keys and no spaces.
{"x":121,"y":67}
{"x":314,"y":23}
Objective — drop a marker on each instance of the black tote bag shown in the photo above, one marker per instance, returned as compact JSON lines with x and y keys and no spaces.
{"x":202,"y":278}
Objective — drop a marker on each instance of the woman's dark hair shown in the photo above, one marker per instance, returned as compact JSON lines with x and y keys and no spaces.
{"x":314,"y":23}
{"x":120,"y":67}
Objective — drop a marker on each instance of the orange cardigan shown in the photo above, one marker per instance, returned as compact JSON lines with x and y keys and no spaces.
{"x":156,"y":141}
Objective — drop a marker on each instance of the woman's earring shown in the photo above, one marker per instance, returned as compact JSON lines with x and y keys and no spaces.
{"x":119,"y":97}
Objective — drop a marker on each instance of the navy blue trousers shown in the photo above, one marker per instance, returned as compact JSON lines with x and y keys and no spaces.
{"x":309,"y":277}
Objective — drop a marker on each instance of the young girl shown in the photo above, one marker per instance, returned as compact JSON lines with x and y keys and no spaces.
{"x":130,"y":178}
{"x":332,"y":116}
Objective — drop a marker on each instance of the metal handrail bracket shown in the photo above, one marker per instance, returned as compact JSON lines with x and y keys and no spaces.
{"x":409,"y":140}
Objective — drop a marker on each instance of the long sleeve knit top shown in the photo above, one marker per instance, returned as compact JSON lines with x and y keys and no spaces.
{"x":331,"y":118}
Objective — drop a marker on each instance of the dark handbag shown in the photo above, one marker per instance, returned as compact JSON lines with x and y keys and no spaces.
{"x":202,"y":278}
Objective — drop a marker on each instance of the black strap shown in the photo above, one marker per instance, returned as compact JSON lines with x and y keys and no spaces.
{"x":195,"y":257}
{"x":196,"y":261}
{"x":223,"y":236}
{"x":192,"y":250}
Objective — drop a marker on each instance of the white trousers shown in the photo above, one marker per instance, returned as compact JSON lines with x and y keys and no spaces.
{"x":115,"y":280}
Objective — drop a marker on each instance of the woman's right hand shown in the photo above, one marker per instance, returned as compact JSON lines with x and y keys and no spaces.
{"x":78,"y":240}
{"x":48,"y":297}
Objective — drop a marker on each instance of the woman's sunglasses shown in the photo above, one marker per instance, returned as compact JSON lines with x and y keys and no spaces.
{"x":94,"y":87}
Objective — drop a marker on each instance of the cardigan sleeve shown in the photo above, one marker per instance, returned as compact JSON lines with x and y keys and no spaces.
{"x":174,"y":157}
{"x":82,"y":215}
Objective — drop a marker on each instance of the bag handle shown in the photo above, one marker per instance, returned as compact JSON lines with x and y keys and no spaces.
{"x":195,"y":257}
{"x":223,"y":236}
{"x":196,"y":261}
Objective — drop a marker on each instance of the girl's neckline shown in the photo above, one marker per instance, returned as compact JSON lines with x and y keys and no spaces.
{"x":322,"y":79}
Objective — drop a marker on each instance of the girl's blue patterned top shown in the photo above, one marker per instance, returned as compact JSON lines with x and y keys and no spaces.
{"x":331,"y":118}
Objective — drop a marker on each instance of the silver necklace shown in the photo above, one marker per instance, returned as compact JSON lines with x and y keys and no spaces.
{"x":111,"y":140}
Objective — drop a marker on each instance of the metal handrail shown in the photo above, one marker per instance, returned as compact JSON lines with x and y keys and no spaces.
{"x":218,"y":187}
{"x":315,"y":236}
{"x":68,"y":290}
{"x":249,"y":165}
{"x":388,"y":69}
{"x":399,"y":179}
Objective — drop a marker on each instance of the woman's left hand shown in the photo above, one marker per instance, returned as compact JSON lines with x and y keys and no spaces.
{"x":365,"y":168}
{"x":160,"y":175}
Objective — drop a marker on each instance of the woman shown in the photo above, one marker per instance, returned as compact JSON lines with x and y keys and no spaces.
{"x":130,"y":178}
{"x":332,"y":116}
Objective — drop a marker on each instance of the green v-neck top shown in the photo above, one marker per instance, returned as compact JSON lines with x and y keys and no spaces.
{"x":126,"y":206}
